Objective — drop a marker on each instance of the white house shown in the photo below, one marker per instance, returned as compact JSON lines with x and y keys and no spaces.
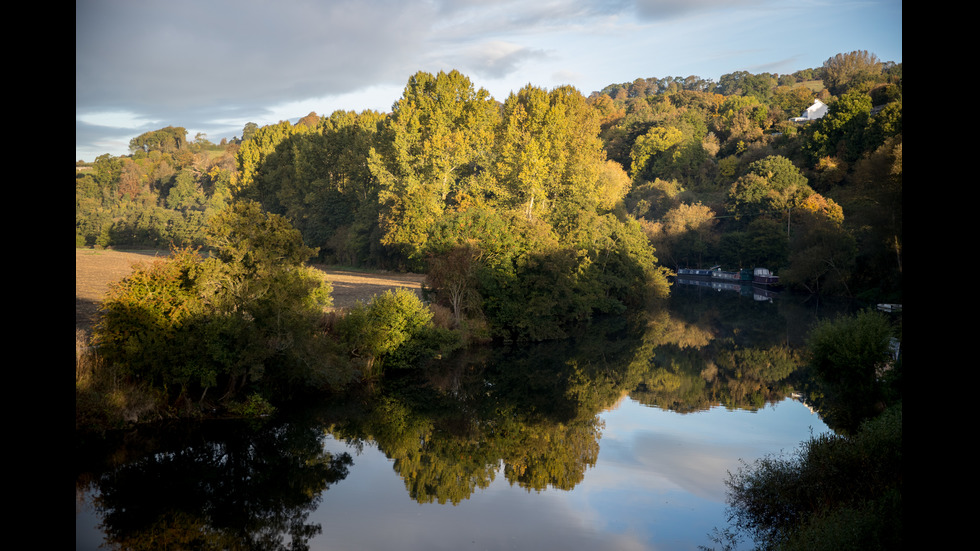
{"x":814,"y":112}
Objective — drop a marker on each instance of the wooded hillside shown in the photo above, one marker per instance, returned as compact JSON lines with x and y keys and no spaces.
{"x":550,"y":204}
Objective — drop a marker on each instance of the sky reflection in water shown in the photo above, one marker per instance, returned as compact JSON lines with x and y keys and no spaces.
{"x":658,"y":484}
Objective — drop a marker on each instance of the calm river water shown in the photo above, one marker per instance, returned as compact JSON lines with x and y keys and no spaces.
{"x":619,"y":438}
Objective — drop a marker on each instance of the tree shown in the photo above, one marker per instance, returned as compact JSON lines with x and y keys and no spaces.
{"x":185,"y":193}
{"x":822,"y":250}
{"x":835,"y":492}
{"x":333,"y":196}
{"x":875,"y":209}
{"x":432,"y":146}
{"x":453,"y":275}
{"x":771,"y":188}
{"x":167,"y":140}
{"x":311,"y":120}
{"x":684,"y":235}
{"x":132,"y":180}
{"x":743,"y":83}
{"x":249,"y":131}
{"x":106,"y":172}
{"x":793,"y":99}
{"x":649,"y":147}
{"x":550,"y":160}
{"x":252,"y":158}
{"x":371,"y":332}
{"x":842,"y":71}
{"x":841,"y":132}
{"x":201,"y":140}
{"x":250,"y":242}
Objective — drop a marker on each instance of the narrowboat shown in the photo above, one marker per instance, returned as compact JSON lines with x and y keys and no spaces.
{"x":762,"y":276}
{"x":758,"y":276}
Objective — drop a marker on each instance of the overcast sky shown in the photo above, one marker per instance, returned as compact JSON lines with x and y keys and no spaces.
{"x":213,"y":65}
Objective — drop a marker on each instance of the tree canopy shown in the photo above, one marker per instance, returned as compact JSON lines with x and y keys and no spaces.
{"x":542,"y":168}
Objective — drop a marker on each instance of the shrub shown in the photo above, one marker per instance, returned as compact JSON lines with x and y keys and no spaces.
{"x":244,"y":319}
{"x":394,"y":329}
{"x":836,"y":492}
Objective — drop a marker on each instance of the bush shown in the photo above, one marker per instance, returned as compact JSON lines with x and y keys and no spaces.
{"x":243,"y":319}
{"x":103,"y":398}
{"x":395,"y":328}
{"x":253,"y":407}
{"x":837,"y":492}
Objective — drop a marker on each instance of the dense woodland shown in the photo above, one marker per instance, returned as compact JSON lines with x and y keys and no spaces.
{"x":693,"y":172}
{"x":528,"y":217}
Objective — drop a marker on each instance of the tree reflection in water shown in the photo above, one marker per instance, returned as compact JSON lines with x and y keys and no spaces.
{"x":226,"y":486}
{"x":531,"y":413}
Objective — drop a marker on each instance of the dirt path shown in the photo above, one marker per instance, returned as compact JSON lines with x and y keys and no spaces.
{"x":96,"y":270}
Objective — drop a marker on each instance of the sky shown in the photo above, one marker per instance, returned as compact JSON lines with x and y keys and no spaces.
{"x":211,"y":66}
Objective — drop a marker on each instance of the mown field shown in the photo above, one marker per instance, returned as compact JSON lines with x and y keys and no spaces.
{"x":96,"y":270}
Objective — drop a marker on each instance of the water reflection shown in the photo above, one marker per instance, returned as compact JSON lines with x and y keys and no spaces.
{"x":496,"y":444}
{"x":220,"y":486}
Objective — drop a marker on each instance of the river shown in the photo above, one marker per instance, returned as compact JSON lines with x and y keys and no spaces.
{"x":621,"y":437}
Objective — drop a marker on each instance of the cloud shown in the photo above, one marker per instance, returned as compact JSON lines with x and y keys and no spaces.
{"x":153,"y":57}
{"x":659,"y":10}
{"x":498,"y":59}
{"x":114,"y":119}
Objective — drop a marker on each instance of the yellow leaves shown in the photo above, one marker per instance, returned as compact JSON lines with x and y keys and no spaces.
{"x":687,"y":217}
{"x":821,"y":206}
{"x":649,"y":146}
{"x":614,"y":184}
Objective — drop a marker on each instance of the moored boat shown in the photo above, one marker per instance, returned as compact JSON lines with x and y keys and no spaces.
{"x":763,"y":276}
{"x":759,"y":276}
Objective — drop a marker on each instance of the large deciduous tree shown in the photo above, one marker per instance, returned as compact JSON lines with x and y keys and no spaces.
{"x":432,"y":146}
{"x":843,"y":71}
{"x":550,"y":159}
{"x":771,"y":188}
{"x":167,"y":140}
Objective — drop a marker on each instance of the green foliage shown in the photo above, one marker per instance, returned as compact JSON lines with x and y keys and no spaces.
{"x":743,"y":83}
{"x":251,"y":156}
{"x":145,"y":318}
{"x":685,"y":236}
{"x":550,"y":161}
{"x":243,"y":318}
{"x":852,"y":355}
{"x":841,"y":132}
{"x":649,"y":147}
{"x":185,"y":193}
{"x":167,"y":140}
{"x":532,"y":178}
{"x":248,"y":239}
{"x":822,"y":255}
{"x":607,"y":267}
{"x":762,"y":243}
{"x":453,"y":276}
{"x":835,"y":492}
{"x":383,"y":329}
{"x":771,"y":188}
{"x":847,"y":70}
{"x":254,"y":406}
{"x":437,"y":137}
